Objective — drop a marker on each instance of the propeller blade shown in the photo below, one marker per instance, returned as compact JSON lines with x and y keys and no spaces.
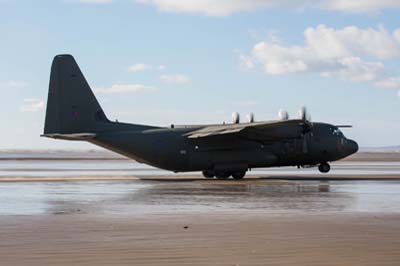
{"x":303,"y":115}
{"x":283,"y":115}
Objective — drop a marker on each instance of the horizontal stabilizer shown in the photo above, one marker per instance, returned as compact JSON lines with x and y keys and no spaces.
{"x":77,"y":136}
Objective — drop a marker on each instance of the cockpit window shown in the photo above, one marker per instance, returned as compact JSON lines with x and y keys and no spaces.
{"x":337,"y":132}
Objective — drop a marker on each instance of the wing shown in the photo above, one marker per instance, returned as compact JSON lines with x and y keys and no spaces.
{"x":261,"y":131}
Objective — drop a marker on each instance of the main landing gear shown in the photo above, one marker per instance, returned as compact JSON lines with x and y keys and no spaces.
{"x":237,"y":175}
{"x":324,"y":168}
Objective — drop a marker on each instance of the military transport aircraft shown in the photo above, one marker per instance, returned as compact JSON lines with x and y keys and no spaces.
{"x":220,"y":150}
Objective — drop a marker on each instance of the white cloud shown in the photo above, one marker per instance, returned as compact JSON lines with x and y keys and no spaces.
{"x":220,"y":8}
{"x":32,"y":105}
{"x":125,"y":88}
{"x":142,"y":67}
{"x":389,"y":82}
{"x":227,"y":7}
{"x":396,"y":35}
{"x":331,"y":43}
{"x":208,"y":7}
{"x":355,"y":69}
{"x":175,"y":79}
{"x":360,"y":5}
{"x":277,"y":59}
{"x":349,"y":53}
{"x":95,"y":1}
{"x":138,"y":67}
{"x":246,"y":62}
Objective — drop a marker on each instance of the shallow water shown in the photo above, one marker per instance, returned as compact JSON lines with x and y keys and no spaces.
{"x":155,"y":197}
{"x":46,"y":168}
{"x":141,"y":197}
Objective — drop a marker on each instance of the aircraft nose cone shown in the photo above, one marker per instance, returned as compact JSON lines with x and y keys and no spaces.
{"x":352,"y":146}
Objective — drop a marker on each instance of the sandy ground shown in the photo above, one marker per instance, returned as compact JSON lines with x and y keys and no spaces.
{"x":208,"y":239}
{"x":187,"y":220}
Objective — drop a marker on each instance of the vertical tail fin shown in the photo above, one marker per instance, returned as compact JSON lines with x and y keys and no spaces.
{"x":71,"y":104}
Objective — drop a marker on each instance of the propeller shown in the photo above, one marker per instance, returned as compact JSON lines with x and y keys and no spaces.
{"x":306,"y":118}
{"x":236,"y":118}
{"x":304,"y":115}
{"x":250,"y":118}
{"x":283,"y":115}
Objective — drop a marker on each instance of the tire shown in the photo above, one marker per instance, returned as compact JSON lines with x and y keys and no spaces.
{"x":208,"y":174}
{"x":222,"y":175}
{"x":324,"y":168}
{"x":238,"y":175}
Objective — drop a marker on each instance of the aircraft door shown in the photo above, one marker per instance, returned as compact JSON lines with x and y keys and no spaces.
{"x":296,"y":147}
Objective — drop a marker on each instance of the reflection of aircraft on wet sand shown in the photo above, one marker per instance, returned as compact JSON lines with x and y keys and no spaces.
{"x":221,"y":151}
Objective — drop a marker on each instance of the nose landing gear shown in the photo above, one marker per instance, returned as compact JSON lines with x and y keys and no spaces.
{"x":324,"y":168}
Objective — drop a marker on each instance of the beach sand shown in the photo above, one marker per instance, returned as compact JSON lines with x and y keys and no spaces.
{"x":186,"y":220}
{"x":202,"y":239}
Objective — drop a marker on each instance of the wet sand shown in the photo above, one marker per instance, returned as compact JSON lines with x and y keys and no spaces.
{"x":193,"y":222}
{"x":209,"y":239}
{"x":125,"y":217}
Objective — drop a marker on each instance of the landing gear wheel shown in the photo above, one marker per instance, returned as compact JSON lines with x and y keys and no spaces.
{"x":208,"y":174}
{"x":238,"y":175}
{"x":324,"y":167}
{"x":222,"y":175}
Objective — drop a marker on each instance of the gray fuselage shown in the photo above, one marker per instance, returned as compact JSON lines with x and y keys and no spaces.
{"x":169,"y":149}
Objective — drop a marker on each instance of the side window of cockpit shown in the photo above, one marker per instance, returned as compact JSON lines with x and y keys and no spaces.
{"x":337,"y":132}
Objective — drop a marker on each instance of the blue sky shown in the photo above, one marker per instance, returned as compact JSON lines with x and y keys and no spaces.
{"x":168,"y":61}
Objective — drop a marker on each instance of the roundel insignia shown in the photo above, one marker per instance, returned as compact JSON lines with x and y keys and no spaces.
{"x":75,"y":114}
